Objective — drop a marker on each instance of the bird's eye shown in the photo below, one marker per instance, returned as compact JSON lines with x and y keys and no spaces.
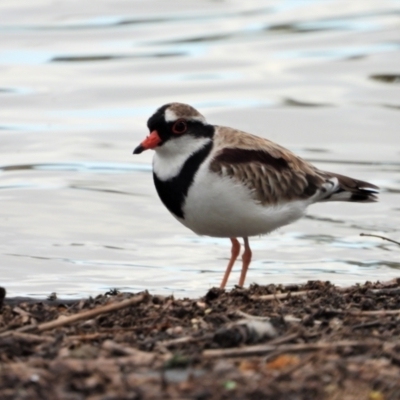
{"x":179,"y":127}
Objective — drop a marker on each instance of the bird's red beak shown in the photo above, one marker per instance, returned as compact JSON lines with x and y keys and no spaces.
{"x":149,"y":143}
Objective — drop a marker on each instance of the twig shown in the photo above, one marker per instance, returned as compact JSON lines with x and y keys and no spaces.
{"x":6,"y":331}
{"x":283,"y":339}
{"x":91,"y":313}
{"x":31,"y":338}
{"x":279,"y":341}
{"x":388,"y":291}
{"x":20,"y":311}
{"x":380,"y":237}
{"x":375,"y":312}
{"x":358,"y":313}
{"x":282,"y":295}
{"x":370,"y":324}
{"x":260,"y":350}
{"x":243,"y":314}
{"x":87,"y":336}
{"x":143,"y":358}
{"x":184,"y":340}
{"x":82,"y":315}
{"x":191,"y":339}
{"x":288,"y":318}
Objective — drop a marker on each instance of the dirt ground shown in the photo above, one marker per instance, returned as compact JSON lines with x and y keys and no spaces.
{"x":313,"y":341}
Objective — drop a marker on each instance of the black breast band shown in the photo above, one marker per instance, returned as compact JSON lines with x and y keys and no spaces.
{"x":173,"y":191}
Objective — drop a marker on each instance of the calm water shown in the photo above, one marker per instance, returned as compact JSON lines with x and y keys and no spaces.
{"x":79,"y":213}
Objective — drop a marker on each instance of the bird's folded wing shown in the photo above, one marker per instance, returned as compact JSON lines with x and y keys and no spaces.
{"x":271,"y":172}
{"x":274,"y":174}
{"x":271,"y":180}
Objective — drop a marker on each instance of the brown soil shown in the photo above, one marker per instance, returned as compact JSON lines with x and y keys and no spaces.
{"x":315,"y":341}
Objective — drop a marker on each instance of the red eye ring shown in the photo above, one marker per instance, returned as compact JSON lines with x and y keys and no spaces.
{"x":179,"y":127}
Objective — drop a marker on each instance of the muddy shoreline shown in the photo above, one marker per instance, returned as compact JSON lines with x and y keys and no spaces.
{"x":312,"y":341}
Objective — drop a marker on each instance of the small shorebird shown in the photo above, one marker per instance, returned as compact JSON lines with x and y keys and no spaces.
{"x":222,"y":182}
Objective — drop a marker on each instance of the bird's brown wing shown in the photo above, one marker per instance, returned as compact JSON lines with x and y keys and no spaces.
{"x":271,"y":172}
{"x":274,"y":174}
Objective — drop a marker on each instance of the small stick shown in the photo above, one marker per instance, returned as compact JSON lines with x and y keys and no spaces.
{"x":375,"y":312}
{"x":388,"y":291}
{"x":287,"y":318}
{"x":380,"y":237}
{"x":142,"y":356}
{"x":243,"y":314}
{"x":279,"y":341}
{"x":282,"y":295}
{"x":367,"y":325}
{"x":88,"y":336}
{"x":82,"y":315}
{"x":184,"y":340}
{"x":91,"y":313}
{"x":31,"y":338}
{"x":356,"y":313}
{"x":25,"y":328}
{"x":283,"y":339}
{"x":260,"y":350}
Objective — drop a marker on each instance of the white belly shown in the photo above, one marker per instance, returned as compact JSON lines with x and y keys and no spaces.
{"x":219,"y":207}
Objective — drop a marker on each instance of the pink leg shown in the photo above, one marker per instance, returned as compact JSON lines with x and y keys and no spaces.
{"x":235,"y":252}
{"x":246,"y":258}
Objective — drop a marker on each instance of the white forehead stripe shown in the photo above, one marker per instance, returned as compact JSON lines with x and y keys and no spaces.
{"x":171,"y":116}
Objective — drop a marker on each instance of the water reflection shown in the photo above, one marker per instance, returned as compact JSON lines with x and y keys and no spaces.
{"x":343,"y":52}
{"x":117,"y":57}
{"x":98,"y":167}
{"x":298,"y":103}
{"x":387,"y":78}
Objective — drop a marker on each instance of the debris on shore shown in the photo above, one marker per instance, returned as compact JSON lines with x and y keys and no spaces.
{"x":312,"y":341}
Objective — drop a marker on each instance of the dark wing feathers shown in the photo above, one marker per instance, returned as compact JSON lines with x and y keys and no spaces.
{"x":272,"y":179}
{"x":282,"y":176}
{"x":353,"y":190}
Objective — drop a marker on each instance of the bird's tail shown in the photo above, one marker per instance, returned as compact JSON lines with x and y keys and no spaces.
{"x":343,"y":188}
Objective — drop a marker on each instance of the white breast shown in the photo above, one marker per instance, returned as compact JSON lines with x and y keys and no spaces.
{"x":218,"y":206}
{"x":169,"y":158}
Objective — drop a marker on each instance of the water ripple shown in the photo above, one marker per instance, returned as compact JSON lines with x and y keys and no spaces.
{"x":112,"y":57}
{"x":349,"y":52}
{"x":118,"y":21}
{"x":297,"y":103}
{"x":387,"y":78}
{"x":98,"y":167}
